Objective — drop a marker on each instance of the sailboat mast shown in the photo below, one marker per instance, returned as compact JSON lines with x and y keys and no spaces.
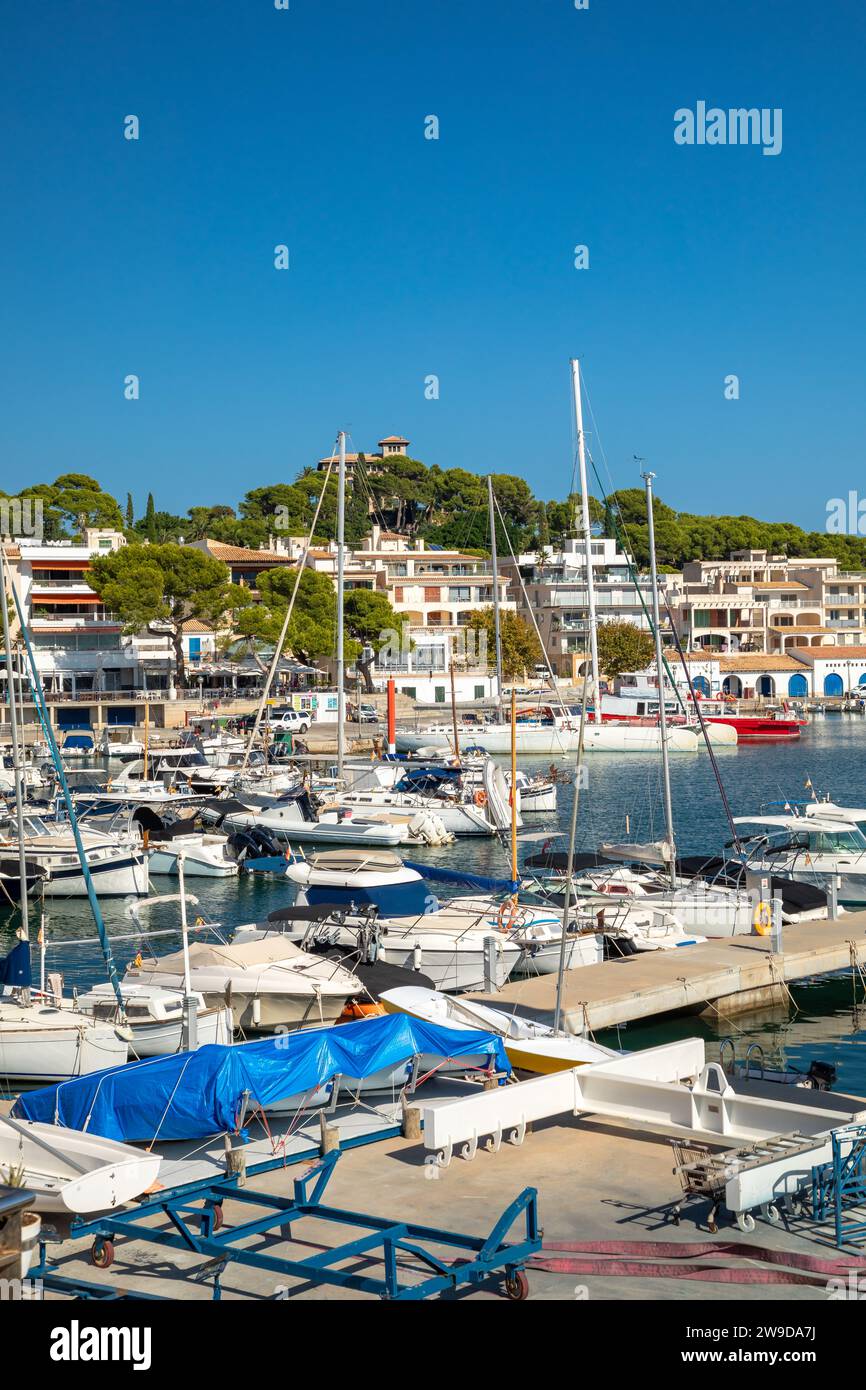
{"x":587,"y":540}
{"x":495,"y":563}
{"x":663,"y":722}
{"x":17,"y":760}
{"x":341,"y":660}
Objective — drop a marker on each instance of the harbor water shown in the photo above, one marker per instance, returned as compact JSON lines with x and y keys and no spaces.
{"x":620,"y":799}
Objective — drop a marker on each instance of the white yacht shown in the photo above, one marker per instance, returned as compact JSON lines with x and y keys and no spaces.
{"x":116,"y":861}
{"x":455,"y":947}
{"x":815,"y":848}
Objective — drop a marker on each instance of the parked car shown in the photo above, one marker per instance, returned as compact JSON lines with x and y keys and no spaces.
{"x":363,"y":714}
{"x":292,"y":721}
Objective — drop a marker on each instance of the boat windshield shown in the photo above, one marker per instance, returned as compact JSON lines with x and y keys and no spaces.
{"x":838,"y":841}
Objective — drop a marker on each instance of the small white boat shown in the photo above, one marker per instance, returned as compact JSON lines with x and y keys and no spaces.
{"x":68,"y":1170}
{"x":204,"y":855}
{"x":120,"y":743}
{"x":531,"y":1046}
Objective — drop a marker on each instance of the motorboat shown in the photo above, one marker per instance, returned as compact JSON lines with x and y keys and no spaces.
{"x":129,"y":789}
{"x":547,"y":731}
{"x":267,"y":984}
{"x":120,"y":743}
{"x":78,"y":743}
{"x":476,"y":805}
{"x":68,"y":1170}
{"x":458,"y":948}
{"x":816,"y":849}
{"x":153,"y":1017}
{"x":116,"y":861}
{"x":204,"y":855}
{"x":292,"y":819}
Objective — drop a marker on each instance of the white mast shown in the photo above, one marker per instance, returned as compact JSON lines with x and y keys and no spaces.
{"x":495,"y":563}
{"x":587,"y":539}
{"x":663,"y":723}
{"x":341,"y":661}
{"x":17,"y":754}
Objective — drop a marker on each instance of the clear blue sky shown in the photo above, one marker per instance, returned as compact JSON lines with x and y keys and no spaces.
{"x":411,"y":257}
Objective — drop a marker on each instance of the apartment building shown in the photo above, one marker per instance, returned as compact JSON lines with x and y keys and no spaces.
{"x":550,"y":586}
{"x":756,"y":602}
{"x":79,"y":645}
{"x":434,"y":592}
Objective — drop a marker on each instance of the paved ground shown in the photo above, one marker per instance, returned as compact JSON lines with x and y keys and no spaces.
{"x":595,"y":1182}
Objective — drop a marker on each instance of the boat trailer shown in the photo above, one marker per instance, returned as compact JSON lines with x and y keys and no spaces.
{"x":412,"y":1268}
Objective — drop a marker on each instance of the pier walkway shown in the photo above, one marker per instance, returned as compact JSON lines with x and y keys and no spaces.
{"x":725,"y":976}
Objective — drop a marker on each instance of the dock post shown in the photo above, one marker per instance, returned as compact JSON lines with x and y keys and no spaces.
{"x":490,"y":964}
{"x":330,"y":1136}
{"x":833,"y":898}
{"x":776,"y":928}
{"x":411,"y":1125}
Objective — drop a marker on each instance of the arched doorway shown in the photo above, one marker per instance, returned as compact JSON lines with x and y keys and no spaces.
{"x":701,"y":685}
{"x":766,"y":686}
{"x":798,"y":685}
{"x":732,"y":685}
{"x":833,"y":684}
{"x":862,"y":680}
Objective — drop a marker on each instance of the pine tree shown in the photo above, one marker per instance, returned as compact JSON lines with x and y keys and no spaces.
{"x":130,"y":512}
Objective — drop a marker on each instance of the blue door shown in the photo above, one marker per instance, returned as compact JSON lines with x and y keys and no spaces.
{"x":702,"y":684}
{"x":833,"y":684}
{"x":765,"y":686}
{"x":798,"y":685}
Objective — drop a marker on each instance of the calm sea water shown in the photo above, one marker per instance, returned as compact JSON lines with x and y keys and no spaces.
{"x":622,"y":798}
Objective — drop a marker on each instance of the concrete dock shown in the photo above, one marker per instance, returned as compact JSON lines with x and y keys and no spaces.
{"x":596,"y":1181}
{"x":725,"y":976}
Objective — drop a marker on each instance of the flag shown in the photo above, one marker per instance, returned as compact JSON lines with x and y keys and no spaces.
{"x":15,"y":968}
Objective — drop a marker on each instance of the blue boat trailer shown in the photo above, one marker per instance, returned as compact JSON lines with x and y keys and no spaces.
{"x":194,"y":1214}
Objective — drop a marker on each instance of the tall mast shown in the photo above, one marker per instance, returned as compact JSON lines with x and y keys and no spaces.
{"x":17,"y":760}
{"x":495,"y":563}
{"x":341,"y":661}
{"x":663,"y":721}
{"x":587,"y":539}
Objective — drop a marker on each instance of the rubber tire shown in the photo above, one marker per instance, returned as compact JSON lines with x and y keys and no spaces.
{"x":517,"y":1286}
{"x":102,"y":1254}
{"x":217,"y":1214}
{"x":302,"y":728}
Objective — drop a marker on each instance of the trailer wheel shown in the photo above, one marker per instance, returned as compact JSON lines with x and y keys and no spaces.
{"x":102,"y":1254}
{"x":517,"y":1285}
{"x":746,"y":1222}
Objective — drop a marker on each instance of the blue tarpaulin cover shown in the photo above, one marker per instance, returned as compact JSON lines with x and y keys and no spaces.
{"x":194,"y":1094}
{"x":494,"y":885}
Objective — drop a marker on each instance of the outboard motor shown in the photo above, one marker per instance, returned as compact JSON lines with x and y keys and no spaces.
{"x":822,"y":1075}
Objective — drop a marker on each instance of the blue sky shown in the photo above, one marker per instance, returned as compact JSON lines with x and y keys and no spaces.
{"x":412,"y":257}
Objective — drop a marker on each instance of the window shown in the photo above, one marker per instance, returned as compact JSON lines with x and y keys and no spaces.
{"x":439,"y":694}
{"x":479,"y":692}
{"x":410,"y":690}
